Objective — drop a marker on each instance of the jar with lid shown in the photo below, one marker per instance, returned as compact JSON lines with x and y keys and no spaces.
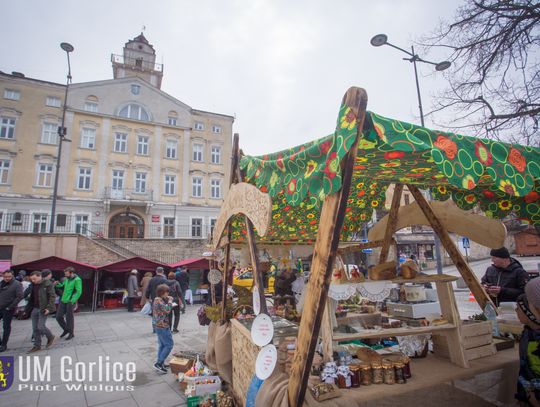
{"x":400,"y":374}
{"x":377,"y":370}
{"x":355,"y":375}
{"x":344,"y":377}
{"x":366,"y":377}
{"x":406,"y":367}
{"x":388,"y":373}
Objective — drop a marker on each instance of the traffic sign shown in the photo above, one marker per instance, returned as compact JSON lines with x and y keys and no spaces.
{"x":466,"y":243}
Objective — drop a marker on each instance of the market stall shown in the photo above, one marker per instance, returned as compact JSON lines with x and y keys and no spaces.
{"x":321,"y":192}
{"x":57,"y":265}
{"x":198,"y":284}
{"x":111,"y":279}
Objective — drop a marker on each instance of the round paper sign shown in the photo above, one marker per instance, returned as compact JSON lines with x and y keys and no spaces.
{"x":262,"y":330}
{"x":214,"y":276}
{"x":256,"y":301}
{"x":266,"y":362}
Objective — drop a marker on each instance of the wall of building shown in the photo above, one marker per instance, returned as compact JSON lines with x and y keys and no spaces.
{"x":164,"y":250}
{"x":29,"y":247}
{"x":90,"y":252}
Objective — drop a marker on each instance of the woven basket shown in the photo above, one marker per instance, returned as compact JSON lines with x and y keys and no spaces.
{"x":244,"y":356}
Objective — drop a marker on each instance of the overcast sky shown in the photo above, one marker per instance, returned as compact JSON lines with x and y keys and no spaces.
{"x":280,"y":67}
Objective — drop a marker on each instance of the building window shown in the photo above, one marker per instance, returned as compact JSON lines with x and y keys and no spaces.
{"x":7,"y":127}
{"x":216,"y":129}
{"x":84,"y":179}
{"x":91,"y":107}
{"x":53,"y":101}
{"x":212,"y":225}
{"x":199,"y":126}
{"x":170,"y":184}
{"x":216,"y":155}
{"x":4,"y":171}
{"x":196,"y":227}
{"x":170,"y":149}
{"x":134,"y":111}
{"x":120,"y":143}
{"x":49,"y":133}
{"x":215,"y":188}
{"x":140,"y":182}
{"x":40,"y":223}
{"x":172,"y":121}
{"x":118,"y":180}
{"x":198,"y":152}
{"x":88,"y":138}
{"x":196,"y":187}
{"x":81,"y":224}
{"x":12,"y":94}
{"x":142,"y":145}
{"x":61,"y":220}
{"x":44,"y":175}
{"x":168,"y":227}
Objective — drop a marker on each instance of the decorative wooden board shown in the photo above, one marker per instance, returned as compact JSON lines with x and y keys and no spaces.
{"x":485,"y":231}
{"x":246,"y":199}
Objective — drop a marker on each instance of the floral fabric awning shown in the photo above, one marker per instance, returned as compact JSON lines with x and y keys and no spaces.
{"x":500,"y":178}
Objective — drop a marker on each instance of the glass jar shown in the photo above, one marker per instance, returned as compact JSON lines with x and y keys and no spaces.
{"x":341,"y":381}
{"x":388,"y":373}
{"x":355,"y":375}
{"x":377,"y":370}
{"x":400,"y":374}
{"x":366,"y":377}
{"x":406,"y":367}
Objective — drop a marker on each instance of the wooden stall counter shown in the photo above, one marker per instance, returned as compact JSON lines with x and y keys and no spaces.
{"x":428,"y":373}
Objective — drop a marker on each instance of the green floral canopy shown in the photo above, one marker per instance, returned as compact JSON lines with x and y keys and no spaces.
{"x":498,"y":177}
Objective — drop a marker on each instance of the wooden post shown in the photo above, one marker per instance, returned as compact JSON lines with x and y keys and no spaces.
{"x":463,"y":267}
{"x":324,"y":253}
{"x":392,"y":222}
{"x":235,"y":160}
{"x":327,"y":333}
{"x":255,"y":264}
{"x":95,"y":293}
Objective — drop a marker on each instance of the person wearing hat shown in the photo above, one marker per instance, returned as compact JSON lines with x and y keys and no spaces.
{"x":528,"y":304}
{"x":132,"y":289}
{"x":505,"y":279}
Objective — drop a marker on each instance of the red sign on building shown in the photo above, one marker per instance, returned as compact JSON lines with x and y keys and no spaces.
{"x":155,"y":218}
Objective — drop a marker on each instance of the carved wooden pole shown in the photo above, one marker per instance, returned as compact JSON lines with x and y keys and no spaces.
{"x":392,"y":222}
{"x":472,"y":281}
{"x":324,"y":252}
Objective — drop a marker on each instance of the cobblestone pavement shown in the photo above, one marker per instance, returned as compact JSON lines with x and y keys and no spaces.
{"x":124,"y":337}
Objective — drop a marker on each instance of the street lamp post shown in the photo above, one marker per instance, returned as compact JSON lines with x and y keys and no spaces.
{"x":61,"y":137}
{"x":382,"y":39}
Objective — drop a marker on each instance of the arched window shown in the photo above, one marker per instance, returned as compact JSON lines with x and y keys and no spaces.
{"x":134,"y":111}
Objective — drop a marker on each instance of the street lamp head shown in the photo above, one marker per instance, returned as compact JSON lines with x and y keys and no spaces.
{"x":66,"y":46}
{"x":379,"y":39}
{"x":441,"y":66}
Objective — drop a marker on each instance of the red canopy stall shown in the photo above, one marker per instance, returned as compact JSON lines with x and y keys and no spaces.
{"x":113,"y":277}
{"x":57,"y":265}
{"x":192,"y":263}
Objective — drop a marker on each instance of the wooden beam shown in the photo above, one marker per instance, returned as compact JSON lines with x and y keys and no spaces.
{"x":392,"y":222}
{"x":324,"y":253}
{"x":463,"y":267}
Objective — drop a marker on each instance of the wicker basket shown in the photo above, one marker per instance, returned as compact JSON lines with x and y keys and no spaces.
{"x":244,"y":356}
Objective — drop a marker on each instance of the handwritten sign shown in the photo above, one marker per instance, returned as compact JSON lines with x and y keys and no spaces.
{"x":262,"y":330}
{"x":256,"y":301}
{"x":266,"y":362}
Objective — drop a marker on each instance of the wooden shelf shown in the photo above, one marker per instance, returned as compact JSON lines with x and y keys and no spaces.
{"x":435,"y":278}
{"x":383,"y":333}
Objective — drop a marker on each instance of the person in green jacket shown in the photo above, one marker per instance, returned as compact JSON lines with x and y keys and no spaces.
{"x":72,"y":290}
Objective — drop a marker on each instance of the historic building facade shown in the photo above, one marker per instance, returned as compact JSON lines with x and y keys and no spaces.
{"x":139,"y":163}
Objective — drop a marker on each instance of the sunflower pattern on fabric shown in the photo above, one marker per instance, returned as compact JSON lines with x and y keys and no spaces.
{"x":312,"y":169}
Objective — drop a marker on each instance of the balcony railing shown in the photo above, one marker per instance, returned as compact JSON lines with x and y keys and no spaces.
{"x":125,"y":194}
{"x":39,"y":223}
{"x":136,"y":63}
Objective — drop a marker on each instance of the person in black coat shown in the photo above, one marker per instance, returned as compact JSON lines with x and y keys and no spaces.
{"x":158,"y":279}
{"x":11,"y":293}
{"x":182,"y":276}
{"x":505,"y":280}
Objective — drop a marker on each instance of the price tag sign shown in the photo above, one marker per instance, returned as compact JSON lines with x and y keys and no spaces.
{"x":266,"y":362}
{"x":262,"y":330}
{"x":256,"y":301}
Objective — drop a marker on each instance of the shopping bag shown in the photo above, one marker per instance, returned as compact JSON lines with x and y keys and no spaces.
{"x":147,"y":309}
